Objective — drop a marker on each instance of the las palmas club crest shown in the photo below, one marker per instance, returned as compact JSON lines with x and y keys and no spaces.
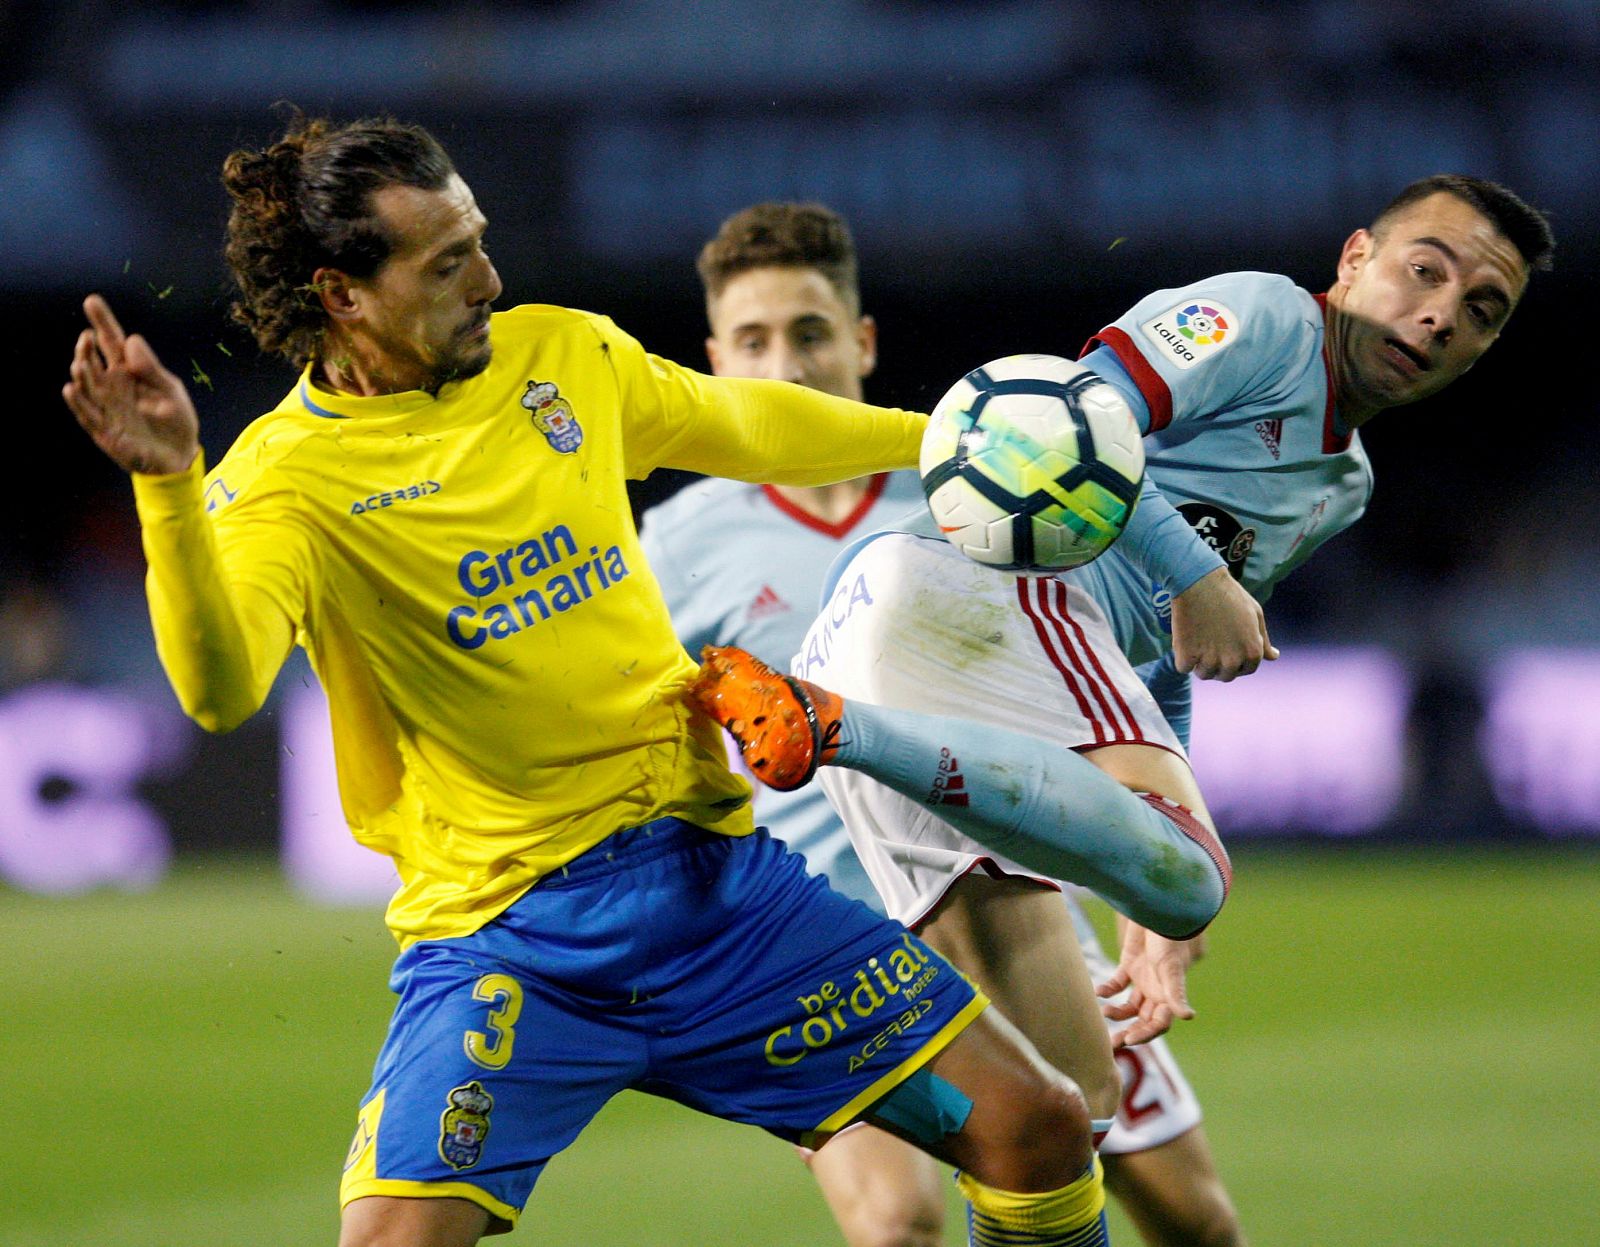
{"x":552,"y":416}
{"x":465,"y":1125}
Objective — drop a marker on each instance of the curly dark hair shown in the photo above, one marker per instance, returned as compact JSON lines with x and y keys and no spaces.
{"x":305,"y":203}
{"x":783,"y":235}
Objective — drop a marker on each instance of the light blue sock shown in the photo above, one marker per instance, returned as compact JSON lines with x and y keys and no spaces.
{"x":1045,"y":807}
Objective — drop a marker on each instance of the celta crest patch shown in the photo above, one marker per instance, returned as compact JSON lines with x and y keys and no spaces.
{"x":552,"y":416}
{"x":464,"y":1126}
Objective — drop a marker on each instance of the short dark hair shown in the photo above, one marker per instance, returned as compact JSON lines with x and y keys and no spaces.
{"x":1525,"y":226}
{"x":782,"y":235}
{"x":305,"y":203}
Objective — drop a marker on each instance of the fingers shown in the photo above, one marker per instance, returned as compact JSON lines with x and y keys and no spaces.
{"x":88,"y":374}
{"x":107,"y":331}
{"x":142,"y":361}
{"x":1144,"y":1030}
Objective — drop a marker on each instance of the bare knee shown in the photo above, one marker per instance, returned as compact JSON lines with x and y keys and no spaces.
{"x":1041,"y":1143}
{"x":882,"y":1191}
{"x":893,"y":1217}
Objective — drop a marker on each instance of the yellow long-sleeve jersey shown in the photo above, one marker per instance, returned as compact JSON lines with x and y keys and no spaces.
{"x":463,"y":570}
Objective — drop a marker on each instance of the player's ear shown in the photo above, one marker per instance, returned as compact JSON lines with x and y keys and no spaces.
{"x":334,"y":291}
{"x":867,"y":341}
{"x":1357,"y":251}
{"x":714,"y":355}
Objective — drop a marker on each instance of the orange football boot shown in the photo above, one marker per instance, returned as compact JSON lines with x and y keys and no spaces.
{"x":786,"y":727}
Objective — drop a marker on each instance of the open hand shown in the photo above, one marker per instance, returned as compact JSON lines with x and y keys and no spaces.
{"x":1154,"y":973}
{"x":134,"y":409}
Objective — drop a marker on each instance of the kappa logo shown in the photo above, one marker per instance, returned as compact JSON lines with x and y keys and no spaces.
{"x":1271,"y":434}
{"x":1193,"y":330}
{"x":766,"y":604}
{"x":949,"y":787}
{"x":464,"y":1125}
{"x":552,"y":416}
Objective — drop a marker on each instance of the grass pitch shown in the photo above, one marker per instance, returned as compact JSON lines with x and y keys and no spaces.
{"x":1395,"y":1049}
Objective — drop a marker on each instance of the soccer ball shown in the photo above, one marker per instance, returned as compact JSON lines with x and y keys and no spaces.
{"x":1032,"y":463}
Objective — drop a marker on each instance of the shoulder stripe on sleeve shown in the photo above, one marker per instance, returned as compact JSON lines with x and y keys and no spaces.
{"x":1157,"y":397}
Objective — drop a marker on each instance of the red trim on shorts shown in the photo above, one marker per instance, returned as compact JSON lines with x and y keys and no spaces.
{"x":875,"y":488}
{"x":1066,"y":645}
{"x":989,"y":867}
{"x":1333,"y":442}
{"x":1181,"y":817}
{"x":1157,"y":397}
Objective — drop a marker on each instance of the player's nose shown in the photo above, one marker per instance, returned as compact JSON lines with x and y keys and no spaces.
{"x":1439,"y":314}
{"x":488,"y":286}
{"x":788,"y":365}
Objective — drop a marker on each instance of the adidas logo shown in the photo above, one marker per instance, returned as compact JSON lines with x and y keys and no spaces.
{"x":1271,"y":432}
{"x":949,"y":788}
{"x":767,"y":603}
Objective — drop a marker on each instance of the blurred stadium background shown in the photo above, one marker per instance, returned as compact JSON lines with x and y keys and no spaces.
{"x":194,"y":985}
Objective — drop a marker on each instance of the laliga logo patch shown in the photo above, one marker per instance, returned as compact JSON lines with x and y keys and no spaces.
{"x":1191,"y":331}
{"x":465,"y":1125}
{"x":552,"y":416}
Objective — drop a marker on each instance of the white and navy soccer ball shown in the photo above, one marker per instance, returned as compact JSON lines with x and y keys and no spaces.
{"x":1032,"y":463}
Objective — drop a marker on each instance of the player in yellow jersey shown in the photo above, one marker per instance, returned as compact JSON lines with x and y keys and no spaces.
{"x":436,"y":513}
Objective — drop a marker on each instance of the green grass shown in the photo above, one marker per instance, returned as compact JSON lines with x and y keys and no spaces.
{"x":1393,"y":1049}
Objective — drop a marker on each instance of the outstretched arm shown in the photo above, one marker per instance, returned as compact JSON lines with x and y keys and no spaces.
{"x":221,"y":644}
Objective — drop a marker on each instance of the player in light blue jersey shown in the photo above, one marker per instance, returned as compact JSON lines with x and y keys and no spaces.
{"x":1252,"y":393}
{"x":743,"y":565}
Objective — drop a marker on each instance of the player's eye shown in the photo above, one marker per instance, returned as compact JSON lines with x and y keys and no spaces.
{"x":1481,"y":315}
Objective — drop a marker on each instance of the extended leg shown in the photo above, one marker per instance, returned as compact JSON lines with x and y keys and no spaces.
{"x":1044,"y":806}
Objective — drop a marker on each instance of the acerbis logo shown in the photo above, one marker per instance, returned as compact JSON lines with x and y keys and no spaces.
{"x":1191,"y":331}
{"x":389,"y":497}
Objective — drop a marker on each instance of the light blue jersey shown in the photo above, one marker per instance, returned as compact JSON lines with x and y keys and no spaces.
{"x":1231,"y":384}
{"x":739,"y":565}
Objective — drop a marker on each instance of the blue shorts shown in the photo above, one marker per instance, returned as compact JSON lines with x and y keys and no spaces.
{"x":709,"y":969}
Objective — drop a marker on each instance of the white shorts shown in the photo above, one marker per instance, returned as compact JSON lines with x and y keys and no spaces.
{"x":915,"y":624}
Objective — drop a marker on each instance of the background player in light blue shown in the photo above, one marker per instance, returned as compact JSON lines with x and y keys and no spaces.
{"x":742,"y":565}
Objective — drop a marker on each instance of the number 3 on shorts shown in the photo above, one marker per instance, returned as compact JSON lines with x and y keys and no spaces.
{"x":493,"y":1050}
